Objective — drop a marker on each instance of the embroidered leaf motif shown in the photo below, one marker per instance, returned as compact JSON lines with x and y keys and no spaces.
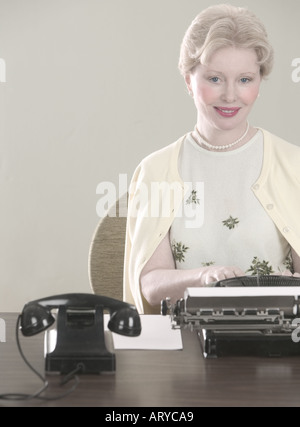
{"x":178,"y":251}
{"x":260,"y":267}
{"x":288,"y":263}
{"x":207,"y":264}
{"x":230,"y":222}
{"x":193,"y":198}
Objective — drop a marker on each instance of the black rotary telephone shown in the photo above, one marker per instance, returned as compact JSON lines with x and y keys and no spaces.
{"x":80,"y":336}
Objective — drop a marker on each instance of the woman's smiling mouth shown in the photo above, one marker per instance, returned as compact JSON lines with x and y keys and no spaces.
{"x":227,"y":112}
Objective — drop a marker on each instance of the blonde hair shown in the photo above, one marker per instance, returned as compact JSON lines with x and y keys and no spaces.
{"x":221,"y":26}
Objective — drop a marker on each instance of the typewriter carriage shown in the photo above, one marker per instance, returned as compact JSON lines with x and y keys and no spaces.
{"x":241,"y":316}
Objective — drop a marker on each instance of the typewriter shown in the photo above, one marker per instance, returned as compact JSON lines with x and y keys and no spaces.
{"x":244,"y":316}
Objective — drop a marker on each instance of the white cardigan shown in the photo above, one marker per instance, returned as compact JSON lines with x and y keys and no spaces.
{"x":277,"y":189}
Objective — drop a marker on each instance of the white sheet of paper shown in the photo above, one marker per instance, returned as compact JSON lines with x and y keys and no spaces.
{"x":157,"y":334}
{"x":240,"y":291}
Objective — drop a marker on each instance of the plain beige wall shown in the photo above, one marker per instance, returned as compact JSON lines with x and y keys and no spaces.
{"x":91,"y":88}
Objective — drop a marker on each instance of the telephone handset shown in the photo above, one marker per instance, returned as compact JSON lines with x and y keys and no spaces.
{"x":80,"y":337}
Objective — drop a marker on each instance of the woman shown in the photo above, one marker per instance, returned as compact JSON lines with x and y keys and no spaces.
{"x":224,"y":200}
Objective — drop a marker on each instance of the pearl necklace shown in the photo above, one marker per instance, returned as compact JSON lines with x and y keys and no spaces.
{"x":200,"y":140}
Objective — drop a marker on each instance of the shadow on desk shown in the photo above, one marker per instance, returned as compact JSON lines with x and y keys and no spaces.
{"x":156,"y":378}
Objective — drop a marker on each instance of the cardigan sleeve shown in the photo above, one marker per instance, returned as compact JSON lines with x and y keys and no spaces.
{"x":278,"y":187}
{"x":155,"y":194}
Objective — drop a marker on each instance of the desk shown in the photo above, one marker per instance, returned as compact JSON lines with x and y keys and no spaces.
{"x":156,"y":378}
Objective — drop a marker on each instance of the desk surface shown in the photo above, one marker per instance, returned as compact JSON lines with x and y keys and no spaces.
{"x":157,"y":378}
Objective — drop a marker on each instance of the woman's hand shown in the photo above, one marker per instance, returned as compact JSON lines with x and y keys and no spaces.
{"x":160,"y":278}
{"x":215,"y":273}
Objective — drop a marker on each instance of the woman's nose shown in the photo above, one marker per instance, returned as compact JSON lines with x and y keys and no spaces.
{"x":229,"y":94}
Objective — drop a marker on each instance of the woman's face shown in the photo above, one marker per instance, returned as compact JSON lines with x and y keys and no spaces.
{"x":225,"y":89}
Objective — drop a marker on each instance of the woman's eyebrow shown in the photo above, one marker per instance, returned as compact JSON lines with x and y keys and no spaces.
{"x":222,"y":73}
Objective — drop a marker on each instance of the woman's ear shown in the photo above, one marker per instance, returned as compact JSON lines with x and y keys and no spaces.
{"x":187,"y":79}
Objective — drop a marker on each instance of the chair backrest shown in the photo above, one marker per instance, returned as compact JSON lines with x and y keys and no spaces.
{"x":106,"y":255}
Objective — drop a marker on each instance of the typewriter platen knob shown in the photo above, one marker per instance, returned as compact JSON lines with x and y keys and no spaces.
{"x":165,"y":306}
{"x":179,"y":307}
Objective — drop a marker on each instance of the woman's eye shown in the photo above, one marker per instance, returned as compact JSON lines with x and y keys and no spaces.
{"x":214,"y":79}
{"x":245,"y":80}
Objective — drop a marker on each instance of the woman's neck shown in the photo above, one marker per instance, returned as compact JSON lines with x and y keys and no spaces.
{"x":233,"y":138}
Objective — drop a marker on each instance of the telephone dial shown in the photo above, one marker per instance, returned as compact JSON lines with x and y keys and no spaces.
{"x":80,"y":336}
